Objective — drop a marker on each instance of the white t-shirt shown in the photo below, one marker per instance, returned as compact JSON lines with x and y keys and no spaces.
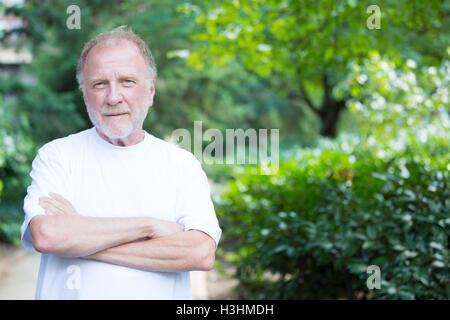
{"x":152,"y":178}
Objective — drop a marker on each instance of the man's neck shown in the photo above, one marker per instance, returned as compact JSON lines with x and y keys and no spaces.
{"x":132,"y":139}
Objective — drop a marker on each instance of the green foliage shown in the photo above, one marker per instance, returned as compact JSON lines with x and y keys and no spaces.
{"x":378,"y":197}
{"x":306,"y":48}
{"x":393,"y":102}
{"x":312,"y":229}
{"x":42,"y":105}
{"x":298,"y":38}
{"x":16,"y":148}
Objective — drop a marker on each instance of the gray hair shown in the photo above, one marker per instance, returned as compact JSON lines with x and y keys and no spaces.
{"x":119,"y":33}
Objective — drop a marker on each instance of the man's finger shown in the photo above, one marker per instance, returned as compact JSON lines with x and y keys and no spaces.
{"x":63,"y":203}
{"x":50,"y":212}
{"x":48,"y":205}
{"x":60,"y":198}
{"x":55,"y":203}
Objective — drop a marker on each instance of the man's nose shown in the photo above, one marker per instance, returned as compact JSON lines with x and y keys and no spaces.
{"x":113,"y":96}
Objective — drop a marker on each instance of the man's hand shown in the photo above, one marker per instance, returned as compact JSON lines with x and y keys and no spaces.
{"x":57,"y":205}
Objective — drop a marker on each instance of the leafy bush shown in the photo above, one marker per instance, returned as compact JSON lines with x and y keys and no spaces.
{"x":16,"y":149}
{"x":311,"y":230}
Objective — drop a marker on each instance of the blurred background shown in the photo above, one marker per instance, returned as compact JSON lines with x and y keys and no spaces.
{"x":360,"y":95}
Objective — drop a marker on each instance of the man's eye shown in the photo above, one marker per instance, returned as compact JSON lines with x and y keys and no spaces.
{"x":128,"y":82}
{"x":98,"y":84}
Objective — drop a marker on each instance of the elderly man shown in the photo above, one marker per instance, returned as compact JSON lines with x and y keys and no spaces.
{"x":116,"y":212}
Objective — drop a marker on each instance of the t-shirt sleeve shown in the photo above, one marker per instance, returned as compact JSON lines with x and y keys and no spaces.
{"x":194,"y":208}
{"x":47,"y":175}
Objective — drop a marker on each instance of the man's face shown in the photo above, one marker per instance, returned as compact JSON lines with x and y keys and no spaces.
{"x":117,"y":88}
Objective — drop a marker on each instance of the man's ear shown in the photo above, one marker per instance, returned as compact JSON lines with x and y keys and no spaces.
{"x":84,"y":99}
{"x":152,"y":86}
{"x":152,"y":90}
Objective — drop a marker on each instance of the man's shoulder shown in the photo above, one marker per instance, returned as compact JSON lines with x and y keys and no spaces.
{"x":175,"y":152}
{"x":66,"y":143}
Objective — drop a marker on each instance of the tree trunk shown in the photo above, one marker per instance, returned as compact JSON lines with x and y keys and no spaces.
{"x":329,"y":117}
{"x":330,"y":107}
{"x":330,"y":110}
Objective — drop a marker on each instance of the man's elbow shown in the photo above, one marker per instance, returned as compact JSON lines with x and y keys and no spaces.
{"x":208,"y":263}
{"x":40,"y":235}
{"x":208,"y":256}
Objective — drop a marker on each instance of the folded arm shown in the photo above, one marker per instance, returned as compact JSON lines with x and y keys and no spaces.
{"x":183,"y":251}
{"x":163,"y":247}
{"x":76,"y":236}
{"x":63,"y":232}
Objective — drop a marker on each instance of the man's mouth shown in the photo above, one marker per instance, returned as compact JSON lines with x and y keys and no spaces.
{"x":115,"y":114}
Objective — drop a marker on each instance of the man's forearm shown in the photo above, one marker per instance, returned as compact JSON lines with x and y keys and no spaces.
{"x":62,"y":231}
{"x":185,"y":251}
{"x":77,"y":236}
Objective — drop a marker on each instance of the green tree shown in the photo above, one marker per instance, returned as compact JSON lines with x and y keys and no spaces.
{"x":305,"y":48}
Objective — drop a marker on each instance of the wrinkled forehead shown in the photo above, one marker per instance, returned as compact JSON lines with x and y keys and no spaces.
{"x":115,"y":54}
